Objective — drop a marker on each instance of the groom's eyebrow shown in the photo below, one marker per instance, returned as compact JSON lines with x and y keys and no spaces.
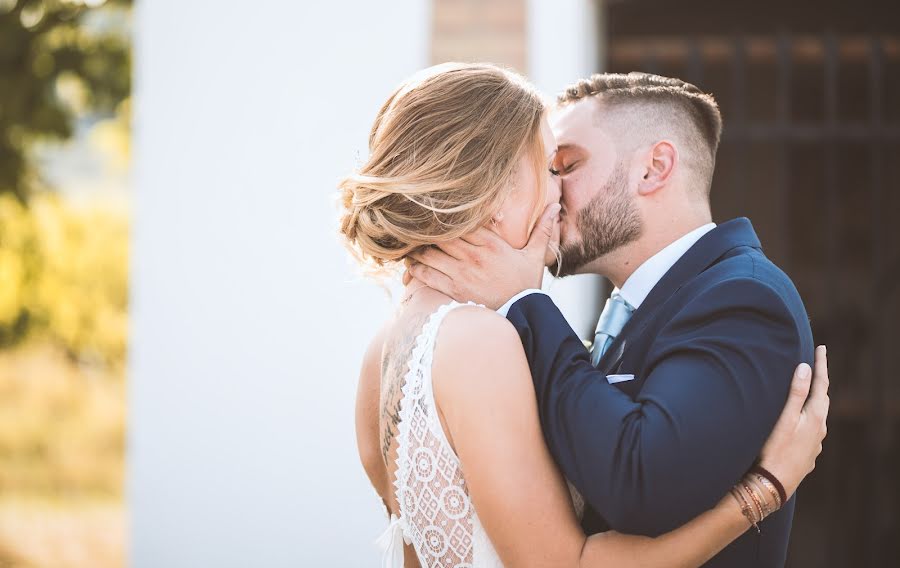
{"x":565,"y":147}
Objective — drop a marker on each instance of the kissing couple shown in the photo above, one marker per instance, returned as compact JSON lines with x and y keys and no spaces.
{"x":492,"y":435}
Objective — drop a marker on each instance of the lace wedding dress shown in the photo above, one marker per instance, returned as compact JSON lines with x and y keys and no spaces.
{"x":436,"y":514}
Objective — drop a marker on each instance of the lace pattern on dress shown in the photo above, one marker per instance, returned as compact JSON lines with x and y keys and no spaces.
{"x":436,"y":513}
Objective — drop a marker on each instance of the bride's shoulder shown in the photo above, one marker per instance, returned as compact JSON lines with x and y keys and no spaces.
{"x":475,"y":344}
{"x":479,"y":369}
{"x":474,"y":329}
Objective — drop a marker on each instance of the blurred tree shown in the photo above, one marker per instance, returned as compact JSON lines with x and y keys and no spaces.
{"x":53,"y":66}
{"x":64,"y":277}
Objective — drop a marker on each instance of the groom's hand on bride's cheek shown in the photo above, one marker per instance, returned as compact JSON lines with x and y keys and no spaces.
{"x":482,"y":267}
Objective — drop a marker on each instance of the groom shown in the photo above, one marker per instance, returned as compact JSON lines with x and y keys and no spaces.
{"x":694,"y":352}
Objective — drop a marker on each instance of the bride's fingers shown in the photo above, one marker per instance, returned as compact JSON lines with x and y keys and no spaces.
{"x":543,"y":231}
{"x":799,"y":392}
{"x":818,"y":399}
{"x":554,"y":236}
{"x":786,"y":437}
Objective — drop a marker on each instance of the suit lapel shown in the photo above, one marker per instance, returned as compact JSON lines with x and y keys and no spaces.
{"x":705,"y":252}
{"x":614,"y":354}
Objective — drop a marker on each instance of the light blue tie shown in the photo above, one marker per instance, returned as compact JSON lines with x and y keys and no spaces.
{"x":615,"y":315}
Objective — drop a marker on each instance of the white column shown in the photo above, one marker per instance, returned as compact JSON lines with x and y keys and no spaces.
{"x":248,"y":320}
{"x":564,"y":46}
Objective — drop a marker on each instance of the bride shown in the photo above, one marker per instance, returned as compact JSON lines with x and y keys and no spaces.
{"x":447,"y":422}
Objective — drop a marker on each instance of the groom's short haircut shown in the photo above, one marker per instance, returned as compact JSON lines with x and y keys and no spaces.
{"x":663,"y":103}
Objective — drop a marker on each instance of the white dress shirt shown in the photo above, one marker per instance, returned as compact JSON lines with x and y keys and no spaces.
{"x":638,"y":286}
{"x":642,"y":280}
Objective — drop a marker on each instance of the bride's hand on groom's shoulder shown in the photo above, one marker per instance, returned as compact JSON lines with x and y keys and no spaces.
{"x":482,"y":267}
{"x":796,"y":441}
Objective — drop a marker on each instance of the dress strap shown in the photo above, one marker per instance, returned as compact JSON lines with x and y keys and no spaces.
{"x":418,"y":374}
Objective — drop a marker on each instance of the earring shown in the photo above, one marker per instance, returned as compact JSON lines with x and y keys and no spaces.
{"x":497,"y":218}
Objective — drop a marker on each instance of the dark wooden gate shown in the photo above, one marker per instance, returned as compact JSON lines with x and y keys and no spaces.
{"x":810,"y":95}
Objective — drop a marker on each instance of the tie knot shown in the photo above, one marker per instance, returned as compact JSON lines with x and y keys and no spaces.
{"x":615,"y":315}
{"x":617,"y":297}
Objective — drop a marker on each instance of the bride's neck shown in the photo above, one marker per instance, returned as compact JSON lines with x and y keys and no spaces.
{"x":416,"y":292}
{"x":411,"y":289}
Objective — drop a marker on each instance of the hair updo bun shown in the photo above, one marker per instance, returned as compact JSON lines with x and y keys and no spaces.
{"x":442,"y":151}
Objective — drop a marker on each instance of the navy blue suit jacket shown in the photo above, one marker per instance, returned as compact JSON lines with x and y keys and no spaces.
{"x":713,"y":349}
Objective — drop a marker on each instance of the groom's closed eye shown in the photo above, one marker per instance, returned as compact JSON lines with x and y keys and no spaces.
{"x":559,"y":167}
{"x":566,"y":160}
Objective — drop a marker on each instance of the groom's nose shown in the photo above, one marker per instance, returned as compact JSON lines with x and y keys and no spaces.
{"x":564,"y":187}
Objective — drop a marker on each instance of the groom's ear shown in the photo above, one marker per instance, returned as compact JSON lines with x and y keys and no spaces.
{"x":659,"y":164}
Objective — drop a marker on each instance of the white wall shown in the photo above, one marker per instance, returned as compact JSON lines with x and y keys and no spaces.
{"x":248,"y":321}
{"x":563,"y":44}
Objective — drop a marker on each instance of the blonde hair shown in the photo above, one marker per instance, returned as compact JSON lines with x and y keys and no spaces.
{"x":442,"y":154}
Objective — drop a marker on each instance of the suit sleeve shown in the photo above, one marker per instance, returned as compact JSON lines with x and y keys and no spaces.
{"x":716,"y":380}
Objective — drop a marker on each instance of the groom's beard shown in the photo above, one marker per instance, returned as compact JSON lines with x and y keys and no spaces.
{"x":609,"y":221}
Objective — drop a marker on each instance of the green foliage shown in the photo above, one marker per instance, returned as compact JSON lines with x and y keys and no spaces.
{"x":47,"y":49}
{"x":63,"y":323}
{"x":64,"y":278}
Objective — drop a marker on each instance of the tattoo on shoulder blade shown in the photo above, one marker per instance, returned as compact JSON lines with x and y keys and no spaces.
{"x":394,"y":366}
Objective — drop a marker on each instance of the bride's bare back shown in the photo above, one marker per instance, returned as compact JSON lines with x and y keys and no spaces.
{"x":396,"y":351}
{"x":385,"y":366}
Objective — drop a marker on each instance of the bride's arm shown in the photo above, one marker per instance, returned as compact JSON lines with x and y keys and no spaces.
{"x":487,"y":405}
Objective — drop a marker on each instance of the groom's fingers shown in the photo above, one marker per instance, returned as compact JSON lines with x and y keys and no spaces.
{"x":458,"y":249}
{"x":407,"y":276}
{"x":432,"y":278}
{"x":481,"y":237}
{"x":435,"y":258}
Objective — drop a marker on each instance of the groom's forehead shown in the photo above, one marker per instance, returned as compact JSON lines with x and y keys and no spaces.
{"x":575,"y":123}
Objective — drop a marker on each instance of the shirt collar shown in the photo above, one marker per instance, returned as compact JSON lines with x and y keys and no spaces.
{"x":641,"y":282}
